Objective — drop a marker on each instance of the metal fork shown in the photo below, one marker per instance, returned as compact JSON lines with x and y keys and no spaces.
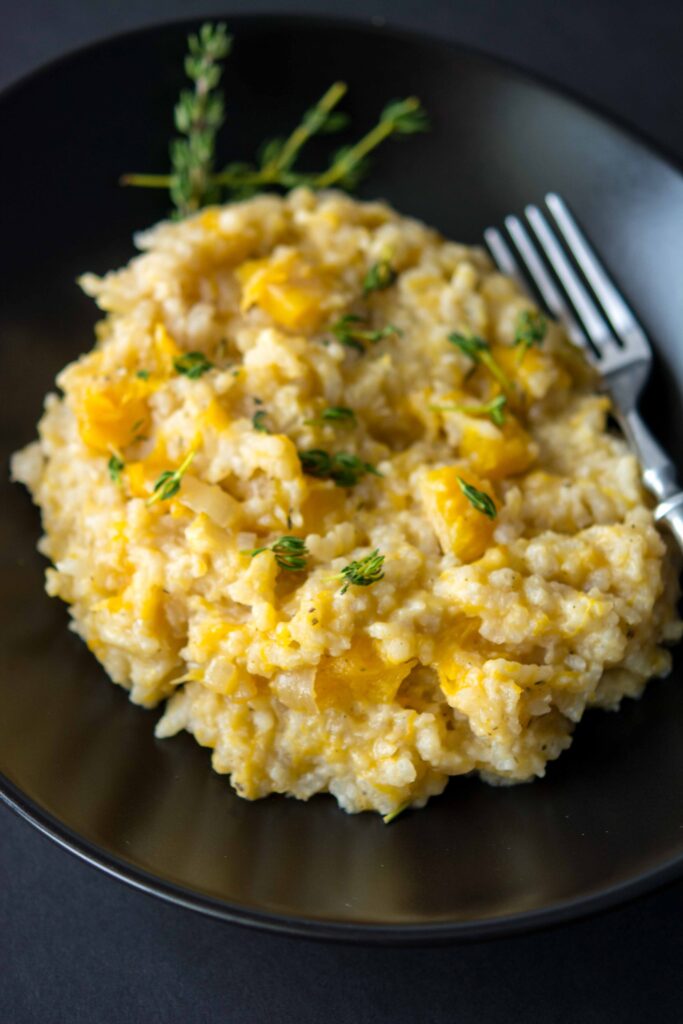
{"x":622,"y":354}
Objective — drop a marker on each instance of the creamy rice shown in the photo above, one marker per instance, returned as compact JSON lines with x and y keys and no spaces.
{"x":486,"y":639}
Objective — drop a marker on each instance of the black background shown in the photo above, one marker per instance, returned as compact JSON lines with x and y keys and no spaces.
{"x":77,"y":946}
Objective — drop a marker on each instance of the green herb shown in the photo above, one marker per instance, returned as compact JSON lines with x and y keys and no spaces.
{"x":168,"y":484}
{"x":316,"y":462}
{"x":479,"y":351}
{"x":192,"y":365}
{"x":115,"y":467}
{"x":478,"y":499}
{"x":336,"y":414}
{"x":258,"y":421}
{"x":199,"y":115}
{"x":388,"y":818}
{"x":345,"y":469}
{"x":495,"y":409}
{"x":143,"y":374}
{"x":530,"y":329}
{"x":362,"y":573}
{"x":290,"y":553}
{"x":381,"y":275}
{"x":353,"y":332}
{"x":400,"y":117}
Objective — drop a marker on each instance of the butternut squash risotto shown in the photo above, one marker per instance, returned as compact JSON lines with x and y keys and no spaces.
{"x":330,"y":486}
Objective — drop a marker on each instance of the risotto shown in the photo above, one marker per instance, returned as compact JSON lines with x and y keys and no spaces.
{"x":329,"y":486}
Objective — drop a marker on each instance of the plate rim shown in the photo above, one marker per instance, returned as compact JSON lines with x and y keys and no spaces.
{"x":551,"y":915}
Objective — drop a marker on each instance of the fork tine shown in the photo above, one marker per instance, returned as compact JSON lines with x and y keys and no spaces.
{"x":544,"y":282}
{"x":618,"y":313}
{"x":502,"y":255}
{"x":596,"y":326}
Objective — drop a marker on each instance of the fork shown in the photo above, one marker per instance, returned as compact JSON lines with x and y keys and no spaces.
{"x":609,"y":334}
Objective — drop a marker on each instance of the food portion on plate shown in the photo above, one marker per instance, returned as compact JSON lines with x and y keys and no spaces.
{"x":334,"y":489}
{"x":331,"y":486}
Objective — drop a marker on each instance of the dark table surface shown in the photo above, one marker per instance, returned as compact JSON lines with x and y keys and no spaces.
{"x":77,"y":946}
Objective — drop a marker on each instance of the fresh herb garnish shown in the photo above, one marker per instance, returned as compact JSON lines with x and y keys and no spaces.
{"x":479,"y":351}
{"x":258,"y":421}
{"x":143,"y":374}
{"x":168,"y":484}
{"x":199,"y":114}
{"x":495,"y":409}
{"x":115,"y":467}
{"x":353,"y":332}
{"x":344,"y":468}
{"x":192,"y":365}
{"x":336,"y":414}
{"x":530,"y":329}
{"x":381,"y":275}
{"x":363,"y":572}
{"x":290,"y":553}
{"x":478,"y":499}
{"x":388,"y":818}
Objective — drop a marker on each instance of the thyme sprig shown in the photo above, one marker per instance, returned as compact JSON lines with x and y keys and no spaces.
{"x":363,"y":572}
{"x":353,"y":332}
{"x":483,"y":502}
{"x":199,"y":114}
{"x":337,"y":415}
{"x":115,"y":466}
{"x":192,"y":365}
{"x":258,"y":421}
{"x":531,"y":328}
{"x":479,"y":351}
{"x":380,"y":276}
{"x":290,"y":553}
{"x":343,"y":467}
{"x":495,"y":409}
{"x":168,"y":484}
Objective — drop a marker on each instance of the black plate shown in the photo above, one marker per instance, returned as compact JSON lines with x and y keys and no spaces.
{"x":82,"y":763}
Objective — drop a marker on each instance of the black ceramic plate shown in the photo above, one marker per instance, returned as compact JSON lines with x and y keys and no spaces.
{"x":81,"y":762}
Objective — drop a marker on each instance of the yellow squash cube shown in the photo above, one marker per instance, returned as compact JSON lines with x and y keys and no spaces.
{"x":112,"y":416}
{"x":497,"y":452}
{"x":287,"y":288}
{"x":461,"y":529}
{"x":358,"y":675}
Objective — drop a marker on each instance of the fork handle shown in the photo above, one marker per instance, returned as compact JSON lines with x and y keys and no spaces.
{"x":659,"y":473}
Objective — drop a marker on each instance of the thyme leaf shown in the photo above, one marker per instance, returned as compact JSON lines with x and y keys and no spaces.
{"x":336,"y":414}
{"x":363,"y":572}
{"x":479,"y":351}
{"x":483,"y":502}
{"x":343,"y":467}
{"x":531,"y":328}
{"x":168,"y":484}
{"x":290,"y":553}
{"x":258,"y":421}
{"x":353,"y":332}
{"x":495,"y":409}
{"x":192,"y":365}
{"x":381,"y":275}
{"x":115,"y":466}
